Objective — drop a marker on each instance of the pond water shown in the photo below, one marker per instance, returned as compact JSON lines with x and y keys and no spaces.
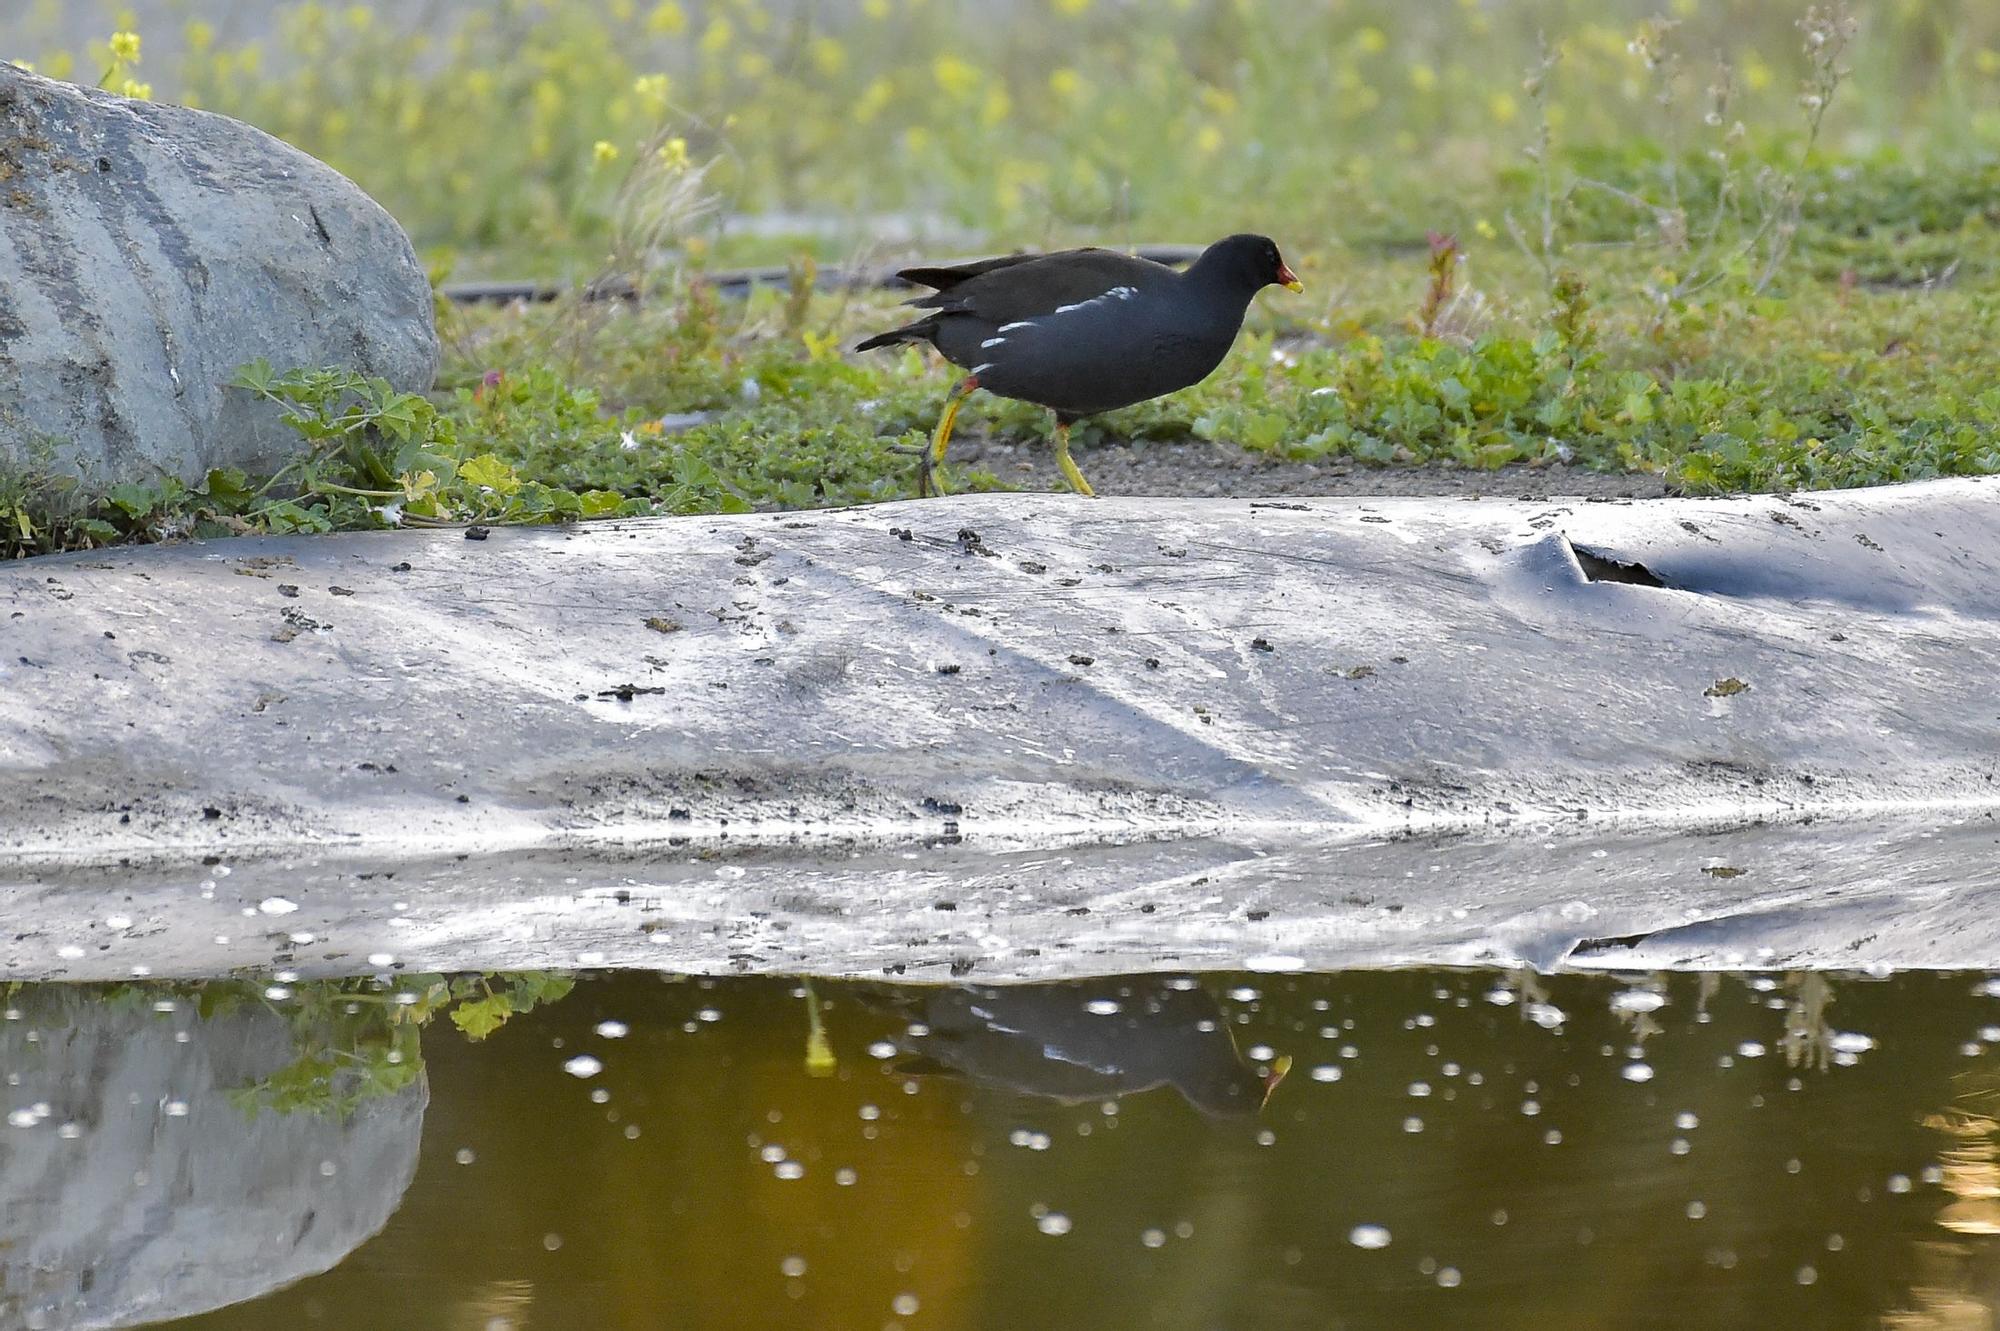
{"x":1382,"y":1149}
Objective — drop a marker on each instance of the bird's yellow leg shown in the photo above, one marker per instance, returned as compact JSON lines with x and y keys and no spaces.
{"x":1068,"y":464}
{"x":820,"y":1061}
{"x":930,"y":476}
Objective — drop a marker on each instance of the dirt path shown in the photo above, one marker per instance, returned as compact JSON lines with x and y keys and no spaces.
{"x":1200,"y":470}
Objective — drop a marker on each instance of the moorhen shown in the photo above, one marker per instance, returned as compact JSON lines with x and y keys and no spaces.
{"x":1082,"y":331}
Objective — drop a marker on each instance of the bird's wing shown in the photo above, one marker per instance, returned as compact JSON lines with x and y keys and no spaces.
{"x":1028,"y":288}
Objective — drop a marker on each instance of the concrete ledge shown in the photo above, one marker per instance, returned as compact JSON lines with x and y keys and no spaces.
{"x":1005,"y":674}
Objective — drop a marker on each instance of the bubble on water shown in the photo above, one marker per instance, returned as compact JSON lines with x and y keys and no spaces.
{"x":845,"y":1177}
{"x":1448,"y":1277}
{"x":1806,"y":1275}
{"x":176,"y":1108}
{"x":1531,"y":1107}
{"x":277,"y":993}
{"x":1696,"y":1210}
{"x":1413,"y":1124}
{"x":1638,"y":1000}
{"x":1154,"y":1238}
{"x":381,"y":959}
{"x":1686,"y":1121}
{"x":21,"y":1118}
{"x":1680,"y":1146}
{"x":709,"y":1014}
{"x":69,"y":952}
{"x":1850,"y":1042}
{"x":1500,"y":996}
{"x":1368,"y":1236}
{"x":1055,"y":1222}
{"x":118,"y":921}
{"x":1420,"y":1089}
{"x":600,"y":1096}
{"x":869,"y":1113}
{"x":882,"y":1049}
{"x":904,"y":1305}
{"x":277,"y":906}
{"x":1326,"y":1072}
{"x":583,"y":1065}
{"x":464,"y":1155}
{"x":552,"y":1241}
{"x":1553,"y":1137}
{"x":1636,"y":1072}
{"x":1243,"y":993}
{"x":789,"y":1169}
{"x":1899,"y":1183}
{"x":1545,"y":1015}
{"x":69,"y":1132}
{"x":1103,"y":1007}
{"x":1750,"y":1049}
{"x":792,"y":1267}
{"x":1933,"y":1174}
{"x":613,"y":1030}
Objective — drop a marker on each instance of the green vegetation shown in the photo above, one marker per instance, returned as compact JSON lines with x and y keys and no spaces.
{"x":355,"y":1040}
{"x":1745,"y":247}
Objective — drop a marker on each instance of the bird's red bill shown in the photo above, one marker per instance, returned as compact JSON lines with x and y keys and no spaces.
{"x":1288,"y":279}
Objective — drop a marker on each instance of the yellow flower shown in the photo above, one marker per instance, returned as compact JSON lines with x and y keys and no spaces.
{"x":125,"y":47}
{"x":956,"y":77}
{"x":652,"y":90}
{"x":872,"y":100}
{"x":137,"y":91}
{"x":998,"y":104}
{"x":1371,"y":40}
{"x":753,"y":65}
{"x":1485,"y":229}
{"x":359,"y":17}
{"x":1208,"y":141}
{"x":667,"y":19}
{"x":1422,"y":77}
{"x":717,"y":36}
{"x":1065,"y":83}
{"x":604,"y":152}
{"x":674,"y":154}
{"x":1218,"y":100}
{"x":829,"y":56}
{"x":875,"y":9}
{"x":27,"y":65}
{"x":200,"y":36}
{"x":1072,"y":7}
{"x":916,"y":138}
{"x":1986,"y":60}
{"x":1502,"y":107}
{"x":1756,"y":74}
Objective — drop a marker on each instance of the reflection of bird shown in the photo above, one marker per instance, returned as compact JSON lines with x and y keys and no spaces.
{"x":1082,"y":331}
{"x":1081,"y":1041}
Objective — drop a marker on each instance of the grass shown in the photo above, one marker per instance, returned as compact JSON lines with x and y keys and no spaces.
{"x":1742,"y":248}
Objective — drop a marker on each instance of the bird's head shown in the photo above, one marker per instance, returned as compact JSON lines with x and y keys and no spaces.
{"x":1249,"y":262}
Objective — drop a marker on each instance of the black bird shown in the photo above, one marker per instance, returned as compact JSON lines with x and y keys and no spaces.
{"x":1083,"y":331}
{"x":1076,"y":1042}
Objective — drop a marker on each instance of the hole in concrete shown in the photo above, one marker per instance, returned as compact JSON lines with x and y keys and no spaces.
{"x":1602,"y":568}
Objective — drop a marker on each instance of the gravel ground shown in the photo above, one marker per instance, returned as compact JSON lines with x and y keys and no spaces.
{"x":1200,"y":470}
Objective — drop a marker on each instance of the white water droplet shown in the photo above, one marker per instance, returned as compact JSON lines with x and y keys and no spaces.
{"x":1368,"y":1236}
{"x":583,"y":1065}
{"x":277,"y":906}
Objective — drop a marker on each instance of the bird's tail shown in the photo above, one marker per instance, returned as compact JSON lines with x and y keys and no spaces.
{"x":920,"y":331}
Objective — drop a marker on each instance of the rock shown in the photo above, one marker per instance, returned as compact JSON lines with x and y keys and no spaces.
{"x":147,"y":252}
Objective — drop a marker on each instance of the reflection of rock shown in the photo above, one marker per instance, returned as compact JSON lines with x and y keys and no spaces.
{"x":133,"y":1190}
{"x":1092,"y":1040}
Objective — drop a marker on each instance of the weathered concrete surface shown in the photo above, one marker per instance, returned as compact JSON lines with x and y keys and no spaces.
{"x":136,"y":1191}
{"x":1246,"y":685}
{"x":147,"y":252}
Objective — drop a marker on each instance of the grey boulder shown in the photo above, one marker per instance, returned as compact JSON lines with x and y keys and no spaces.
{"x":147,"y":252}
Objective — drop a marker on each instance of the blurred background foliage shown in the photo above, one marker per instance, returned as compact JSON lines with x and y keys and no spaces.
{"x":501,"y":132}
